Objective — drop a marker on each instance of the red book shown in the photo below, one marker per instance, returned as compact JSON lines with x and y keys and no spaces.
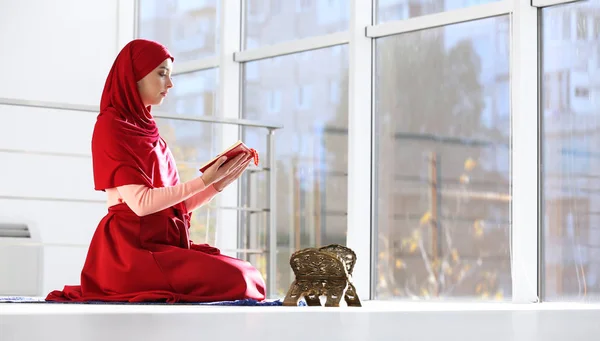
{"x":231,"y":152}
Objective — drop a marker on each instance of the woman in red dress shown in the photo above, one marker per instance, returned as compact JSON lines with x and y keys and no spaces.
{"x":141,"y":249}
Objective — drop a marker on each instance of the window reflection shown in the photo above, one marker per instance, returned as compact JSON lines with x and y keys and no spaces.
{"x":442,"y":169}
{"x":390,"y":10}
{"x":188,"y":28}
{"x":570,"y":90}
{"x":276,"y":21}
{"x":311,"y":152}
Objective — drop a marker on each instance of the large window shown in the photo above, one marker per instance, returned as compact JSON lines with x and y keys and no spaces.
{"x":311,"y":151}
{"x":571,"y":134}
{"x":442,"y":169}
{"x":438,"y":103}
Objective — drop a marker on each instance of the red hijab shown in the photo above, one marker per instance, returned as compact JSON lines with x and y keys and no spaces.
{"x":126,"y":145}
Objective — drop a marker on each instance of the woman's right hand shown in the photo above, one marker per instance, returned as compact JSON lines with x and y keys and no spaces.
{"x":221,"y":168}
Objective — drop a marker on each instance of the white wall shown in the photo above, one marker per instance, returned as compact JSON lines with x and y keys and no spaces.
{"x":57,"y":51}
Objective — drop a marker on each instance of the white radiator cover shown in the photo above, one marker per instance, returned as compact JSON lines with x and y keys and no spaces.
{"x":21,"y":261}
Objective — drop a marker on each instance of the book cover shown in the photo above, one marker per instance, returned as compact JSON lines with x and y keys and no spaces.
{"x":231,"y":152}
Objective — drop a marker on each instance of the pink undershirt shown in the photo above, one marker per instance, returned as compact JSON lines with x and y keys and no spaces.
{"x":144,"y":201}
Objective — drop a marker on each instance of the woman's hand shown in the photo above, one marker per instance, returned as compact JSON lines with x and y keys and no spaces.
{"x":233,"y":175}
{"x":221,"y":169}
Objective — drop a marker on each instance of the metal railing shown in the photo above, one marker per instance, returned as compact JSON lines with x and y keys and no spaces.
{"x":271,"y":210}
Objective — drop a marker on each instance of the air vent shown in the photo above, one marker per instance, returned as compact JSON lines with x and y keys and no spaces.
{"x":14,"y":231}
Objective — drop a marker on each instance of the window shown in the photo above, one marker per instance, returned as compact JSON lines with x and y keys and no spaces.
{"x":303,"y":5}
{"x":390,"y":10}
{"x":442,"y":121}
{"x":503,"y":39}
{"x":582,"y":26}
{"x":251,"y":72}
{"x":189,"y":30}
{"x":311,"y":156}
{"x":283,"y":20}
{"x":502,"y":106}
{"x":334,"y":91}
{"x":197,"y":91}
{"x":575,"y":154}
{"x":555,"y":89}
{"x":570,"y":164}
{"x":274,"y":101}
{"x":567,"y":25}
{"x":304,"y":97}
{"x":336,"y":50}
{"x":438,"y":234}
{"x":582,"y":92}
{"x":251,"y":44}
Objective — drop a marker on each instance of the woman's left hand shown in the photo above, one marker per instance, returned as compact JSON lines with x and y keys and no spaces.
{"x":234,"y":175}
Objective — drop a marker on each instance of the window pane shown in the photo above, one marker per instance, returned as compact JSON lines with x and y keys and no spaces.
{"x":189,"y":29}
{"x":274,"y":21}
{"x":389,"y":10}
{"x":443,"y":178}
{"x":311,"y":152}
{"x":570,"y":97}
{"x":193,"y":94}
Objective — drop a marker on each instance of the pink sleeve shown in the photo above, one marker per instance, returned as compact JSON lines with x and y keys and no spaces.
{"x":202,"y":198}
{"x":143,"y":200}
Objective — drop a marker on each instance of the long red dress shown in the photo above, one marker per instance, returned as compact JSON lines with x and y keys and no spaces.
{"x":148,"y":258}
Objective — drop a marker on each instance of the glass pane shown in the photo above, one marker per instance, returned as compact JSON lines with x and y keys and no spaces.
{"x":389,"y":10}
{"x":193,"y":94}
{"x":189,"y":29}
{"x":443,"y":179}
{"x":275,"y":21}
{"x":307,"y":94}
{"x":571,"y":134}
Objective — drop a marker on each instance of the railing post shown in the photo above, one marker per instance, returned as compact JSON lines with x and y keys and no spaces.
{"x":272,"y":222}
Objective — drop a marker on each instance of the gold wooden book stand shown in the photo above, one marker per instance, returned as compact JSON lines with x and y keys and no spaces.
{"x":323,"y":271}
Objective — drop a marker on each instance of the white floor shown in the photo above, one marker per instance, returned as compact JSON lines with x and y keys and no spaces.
{"x":374,"y":321}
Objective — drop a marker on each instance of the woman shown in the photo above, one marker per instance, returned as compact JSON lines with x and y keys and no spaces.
{"x":141,"y":249}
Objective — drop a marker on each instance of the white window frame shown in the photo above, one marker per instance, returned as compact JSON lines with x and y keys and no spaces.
{"x":525,"y":206}
{"x":229,"y":107}
{"x":361,"y":235}
{"x":547,"y":3}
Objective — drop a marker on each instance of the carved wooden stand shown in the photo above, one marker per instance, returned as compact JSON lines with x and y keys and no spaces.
{"x":323,"y":271}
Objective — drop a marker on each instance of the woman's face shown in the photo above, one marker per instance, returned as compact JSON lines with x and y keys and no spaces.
{"x":154,"y":86}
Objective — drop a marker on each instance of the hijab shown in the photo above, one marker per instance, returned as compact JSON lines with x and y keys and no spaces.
{"x":126,"y":145}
